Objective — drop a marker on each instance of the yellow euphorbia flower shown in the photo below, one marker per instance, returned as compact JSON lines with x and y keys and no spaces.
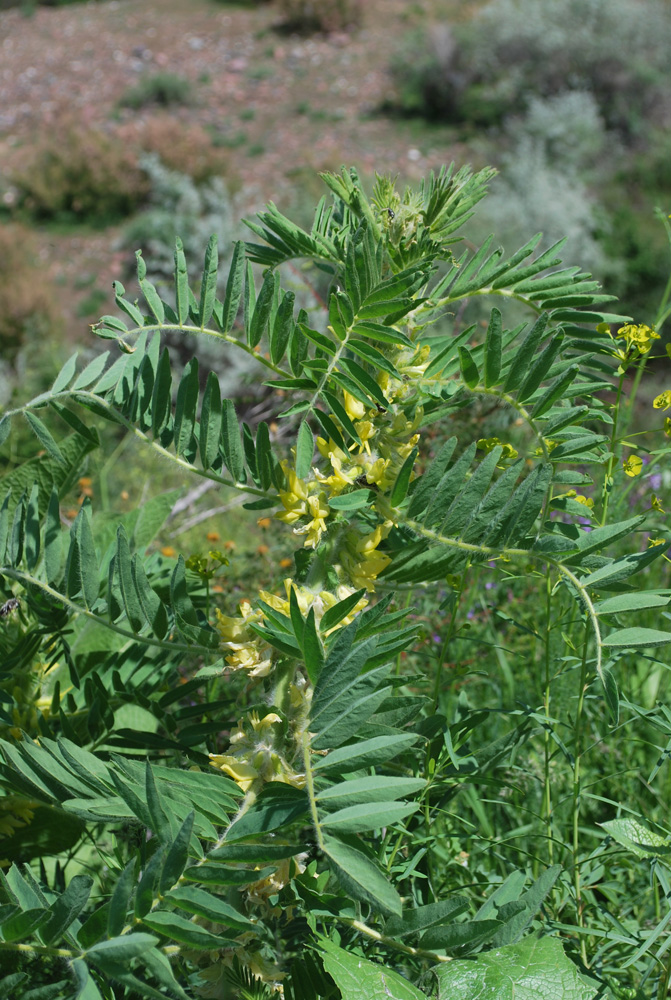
{"x":663,"y":401}
{"x":633,"y":465}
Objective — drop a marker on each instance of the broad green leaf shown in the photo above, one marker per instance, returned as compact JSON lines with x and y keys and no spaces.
{"x":638,"y":838}
{"x":85,"y":987}
{"x":636,"y":638}
{"x":360,"y":877}
{"x":359,"y":979}
{"x":517,"y":972}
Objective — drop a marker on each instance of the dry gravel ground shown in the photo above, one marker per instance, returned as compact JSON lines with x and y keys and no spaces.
{"x":283,"y":106}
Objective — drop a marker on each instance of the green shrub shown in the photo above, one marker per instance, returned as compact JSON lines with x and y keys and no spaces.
{"x":513,"y":50}
{"x":321,"y":15}
{"x":25,"y":299}
{"x":82,"y":174}
{"x":162,"y":89}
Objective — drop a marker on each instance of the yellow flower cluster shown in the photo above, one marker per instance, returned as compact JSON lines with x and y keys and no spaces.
{"x":257,"y":754}
{"x":663,"y":401}
{"x":638,"y":340}
{"x":384,"y":447}
{"x":248,"y":651}
{"x":488,"y":444}
{"x":319,"y":600}
{"x":360,"y":558}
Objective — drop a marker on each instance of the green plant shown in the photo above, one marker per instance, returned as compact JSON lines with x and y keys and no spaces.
{"x":165,"y":89}
{"x":321,"y":15}
{"x":83,"y":174}
{"x":324,"y":792}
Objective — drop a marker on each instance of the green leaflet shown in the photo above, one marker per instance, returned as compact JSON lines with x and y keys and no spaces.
{"x":234,"y":287}
{"x":208,"y":287}
{"x":368,"y":816}
{"x":636,"y":638}
{"x":360,"y":877}
{"x":44,"y":436}
{"x":364,"y":753}
{"x":210,"y":422}
{"x":492,"y":356}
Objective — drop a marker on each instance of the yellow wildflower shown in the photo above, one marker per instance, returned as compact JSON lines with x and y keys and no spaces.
{"x":656,"y":504}
{"x":639,"y":336}
{"x":585,"y":501}
{"x":354,"y":407}
{"x":633,"y":465}
{"x":656,"y":541}
{"x":667,"y":426}
{"x":663,"y":401}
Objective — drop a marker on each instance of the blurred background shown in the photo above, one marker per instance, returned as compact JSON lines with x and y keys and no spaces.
{"x":123,"y":125}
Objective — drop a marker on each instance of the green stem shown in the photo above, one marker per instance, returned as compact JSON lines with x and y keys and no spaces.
{"x":547,"y":747}
{"x":390,"y":942}
{"x":608,"y":479}
{"x":576,"y":803}
{"x":310,"y":789}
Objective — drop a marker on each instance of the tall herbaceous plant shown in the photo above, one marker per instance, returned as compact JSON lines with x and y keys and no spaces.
{"x":401,"y":774}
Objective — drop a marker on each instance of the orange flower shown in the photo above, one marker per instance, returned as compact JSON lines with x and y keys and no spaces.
{"x":213,"y":536}
{"x":263,"y":522}
{"x":286,"y":563}
{"x":229,"y":546}
{"x":263,"y":550}
{"x":125,"y":495}
{"x":168,"y":552}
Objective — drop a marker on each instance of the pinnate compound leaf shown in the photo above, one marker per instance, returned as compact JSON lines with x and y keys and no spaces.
{"x":360,"y":877}
{"x":535,"y":969}
{"x":359,"y":979}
